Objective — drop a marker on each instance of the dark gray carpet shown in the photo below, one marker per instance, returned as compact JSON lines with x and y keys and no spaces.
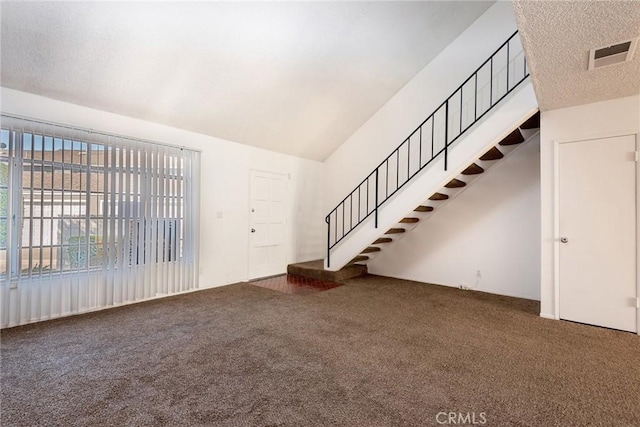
{"x":374,"y":352}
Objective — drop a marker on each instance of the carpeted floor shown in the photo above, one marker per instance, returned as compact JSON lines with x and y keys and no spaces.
{"x":374,"y":352}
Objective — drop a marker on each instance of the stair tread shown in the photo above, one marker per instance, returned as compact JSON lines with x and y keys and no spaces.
{"x":383,"y":240}
{"x":474,"y":169}
{"x":532,"y":122}
{"x":359,"y":258}
{"x":513,"y":138}
{"x":409,"y":220}
{"x":423,"y":209}
{"x":438,"y":196}
{"x":371,"y":249}
{"x":455,"y":183}
{"x":493,"y":154}
{"x":395,"y":231}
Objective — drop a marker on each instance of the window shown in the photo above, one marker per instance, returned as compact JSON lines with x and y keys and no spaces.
{"x":111,"y":218}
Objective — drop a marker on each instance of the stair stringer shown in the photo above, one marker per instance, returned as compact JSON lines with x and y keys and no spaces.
{"x":506,"y":116}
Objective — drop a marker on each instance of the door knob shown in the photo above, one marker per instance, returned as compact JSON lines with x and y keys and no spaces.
{"x":564,"y":239}
{"x":253,"y":230}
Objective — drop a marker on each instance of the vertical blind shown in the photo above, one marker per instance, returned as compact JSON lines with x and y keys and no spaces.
{"x":90,"y":220}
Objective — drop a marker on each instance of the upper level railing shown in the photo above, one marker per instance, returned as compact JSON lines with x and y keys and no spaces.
{"x":500,"y":74}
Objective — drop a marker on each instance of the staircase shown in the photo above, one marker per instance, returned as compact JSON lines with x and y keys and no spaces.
{"x":509,"y":144}
{"x":489,"y":115}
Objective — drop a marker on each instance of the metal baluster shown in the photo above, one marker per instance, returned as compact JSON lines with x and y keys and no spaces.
{"x":420,"y":151}
{"x":376,"y":208}
{"x":359,"y":201}
{"x":342,"y":219}
{"x":433,"y":126}
{"x":508,"y":66}
{"x":327,"y":220}
{"x":397,"y":167}
{"x":446,"y":135}
{"x":368,"y":195}
{"x":351,"y":211}
{"x":335,"y":227}
{"x":491,"y":83}
{"x":386,"y":185}
{"x":475,"y":95}
{"x":408,"y":157}
{"x":460,"y":111}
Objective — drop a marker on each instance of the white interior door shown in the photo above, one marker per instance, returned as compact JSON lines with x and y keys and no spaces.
{"x":267,"y":242}
{"x":597,"y":230}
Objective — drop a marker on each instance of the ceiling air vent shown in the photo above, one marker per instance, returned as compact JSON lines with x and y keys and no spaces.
{"x":610,"y":55}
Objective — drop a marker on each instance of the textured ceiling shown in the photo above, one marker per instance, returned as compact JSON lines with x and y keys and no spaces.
{"x":294,"y":77}
{"x":557,"y":37}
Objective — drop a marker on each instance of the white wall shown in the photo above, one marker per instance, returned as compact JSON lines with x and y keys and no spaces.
{"x":224,"y":180}
{"x":493,"y":227}
{"x":390,"y":125}
{"x":597,"y":120}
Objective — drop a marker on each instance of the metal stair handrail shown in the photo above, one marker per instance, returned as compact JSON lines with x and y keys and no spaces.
{"x":439,"y":132}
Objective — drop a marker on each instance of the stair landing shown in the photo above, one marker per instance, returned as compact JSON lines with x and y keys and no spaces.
{"x":315,"y":270}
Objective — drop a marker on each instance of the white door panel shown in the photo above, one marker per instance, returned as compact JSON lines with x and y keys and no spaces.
{"x":597,"y":263}
{"x":268,"y":195}
{"x":278,"y":189}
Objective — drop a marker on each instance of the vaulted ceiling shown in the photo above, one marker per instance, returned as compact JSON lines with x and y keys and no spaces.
{"x":557,"y":37}
{"x":294,"y":77}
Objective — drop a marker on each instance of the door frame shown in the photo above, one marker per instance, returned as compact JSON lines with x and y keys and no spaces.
{"x":556,"y":214}
{"x":286,"y":243}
